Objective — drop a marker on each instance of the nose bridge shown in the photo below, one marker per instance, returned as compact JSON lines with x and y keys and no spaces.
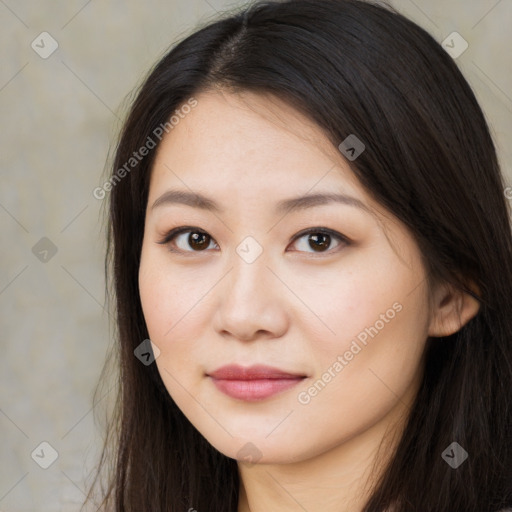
{"x":249,"y":300}
{"x":249,"y":275}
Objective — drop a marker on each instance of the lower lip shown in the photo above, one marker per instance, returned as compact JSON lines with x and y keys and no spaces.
{"x":253,"y":390}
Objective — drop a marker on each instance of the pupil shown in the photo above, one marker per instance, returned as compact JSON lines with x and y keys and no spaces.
{"x":323,"y":243}
{"x":196,"y":240}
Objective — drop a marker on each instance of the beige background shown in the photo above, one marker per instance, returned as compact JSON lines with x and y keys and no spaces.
{"x":59,"y":117}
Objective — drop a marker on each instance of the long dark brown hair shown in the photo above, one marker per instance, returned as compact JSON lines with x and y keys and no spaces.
{"x":353,"y":67}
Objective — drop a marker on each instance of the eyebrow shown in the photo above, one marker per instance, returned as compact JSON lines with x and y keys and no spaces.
{"x":197,"y":200}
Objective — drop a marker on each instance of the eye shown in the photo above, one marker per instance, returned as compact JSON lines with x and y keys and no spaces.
{"x":320,"y":239}
{"x":317,"y":239}
{"x":193,"y":237}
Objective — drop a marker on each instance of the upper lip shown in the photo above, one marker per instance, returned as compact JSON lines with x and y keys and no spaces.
{"x":237,"y":372}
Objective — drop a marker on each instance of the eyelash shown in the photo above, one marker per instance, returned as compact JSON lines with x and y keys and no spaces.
{"x":170,"y":235}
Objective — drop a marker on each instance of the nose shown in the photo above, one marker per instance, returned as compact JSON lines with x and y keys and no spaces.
{"x":251,"y":302}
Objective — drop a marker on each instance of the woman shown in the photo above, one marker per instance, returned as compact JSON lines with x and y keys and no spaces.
{"x":312,"y":267}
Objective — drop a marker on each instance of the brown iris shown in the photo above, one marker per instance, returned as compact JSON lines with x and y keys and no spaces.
{"x":323,"y":240}
{"x":198,"y":240}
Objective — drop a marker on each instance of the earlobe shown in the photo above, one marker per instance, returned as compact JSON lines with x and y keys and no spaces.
{"x":454,"y":308}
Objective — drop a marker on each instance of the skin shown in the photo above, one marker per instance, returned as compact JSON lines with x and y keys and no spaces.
{"x":294,"y":307}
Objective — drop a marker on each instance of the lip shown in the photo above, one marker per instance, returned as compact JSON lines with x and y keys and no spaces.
{"x":255,"y":372}
{"x":255,"y":382}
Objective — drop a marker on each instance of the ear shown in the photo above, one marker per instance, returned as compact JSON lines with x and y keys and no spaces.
{"x":453,"y":308}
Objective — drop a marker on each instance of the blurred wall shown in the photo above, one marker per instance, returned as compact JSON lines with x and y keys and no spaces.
{"x":60,"y":111}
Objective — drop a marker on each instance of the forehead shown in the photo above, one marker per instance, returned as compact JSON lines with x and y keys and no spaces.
{"x":248,"y":136}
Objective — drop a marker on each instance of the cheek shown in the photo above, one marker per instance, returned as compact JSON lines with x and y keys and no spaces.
{"x":357,"y":384}
{"x":377,"y":353}
{"x":167,"y":313}
{"x":363,"y":294}
{"x":377,"y":324}
{"x":170,"y":298}
{"x":174,"y":303}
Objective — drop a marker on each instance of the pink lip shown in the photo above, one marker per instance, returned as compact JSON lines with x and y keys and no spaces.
{"x":254,"y":383}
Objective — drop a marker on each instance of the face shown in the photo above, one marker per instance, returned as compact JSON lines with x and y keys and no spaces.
{"x":330,"y":294}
